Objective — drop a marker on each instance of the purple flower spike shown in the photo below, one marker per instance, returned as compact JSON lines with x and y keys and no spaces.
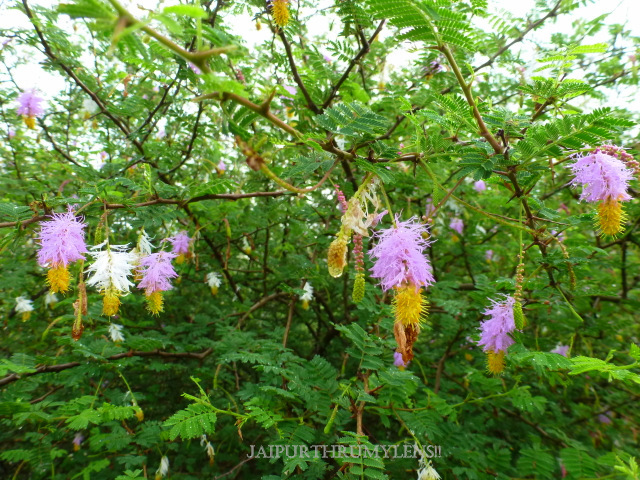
{"x":30,"y":104}
{"x":480,"y":186}
{"x":494,"y":333}
{"x":457,"y":225}
{"x":602,"y":177}
{"x":157,"y":272}
{"x":61,"y":240}
{"x":397,"y":360}
{"x":399,"y":258}
{"x":180,"y":243}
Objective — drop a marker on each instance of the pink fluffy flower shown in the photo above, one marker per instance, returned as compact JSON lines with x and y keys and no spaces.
{"x":494,"y":333}
{"x":30,"y":104}
{"x":399,"y":256}
{"x":561,"y":350}
{"x":180,"y":243}
{"x":397,"y":360}
{"x":602,"y":177}
{"x":480,"y":186}
{"x":221,"y":167}
{"x":61,"y":240}
{"x":457,"y":225}
{"x":157,"y":272}
{"x":488,"y":255}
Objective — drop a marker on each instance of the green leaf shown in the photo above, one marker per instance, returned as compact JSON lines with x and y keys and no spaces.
{"x":192,"y":11}
{"x":192,"y":422}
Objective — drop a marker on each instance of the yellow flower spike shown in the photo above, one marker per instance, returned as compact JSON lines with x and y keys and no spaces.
{"x":281,"y":12}
{"x":180,"y":259}
{"x":110,"y":304}
{"x":495,"y":362}
{"x":155,"y":302}
{"x":30,"y":122}
{"x":611,"y":217}
{"x":409,"y":305}
{"x":26,"y":316}
{"x":58,"y":279}
{"x":214,"y":291}
{"x":305,"y":304}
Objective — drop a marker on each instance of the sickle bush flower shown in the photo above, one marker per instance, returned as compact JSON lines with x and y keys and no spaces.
{"x":280,"y":11}
{"x":157,"y":272}
{"x":479,"y":186}
{"x":30,"y":107}
{"x":457,"y":225}
{"x":110,"y":272}
{"x":24,"y":306}
{"x":494,"y":333}
{"x":214,"y":281}
{"x":180,"y":244}
{"x":115,"y":332}
{"x":604,"y":179}
{"x":61,"y":242}
{"x":398,"y":257}
{"x":307,"y":296}
{"x":400,"y":264}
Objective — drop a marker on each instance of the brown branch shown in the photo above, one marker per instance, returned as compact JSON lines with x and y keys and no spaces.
{"x":363,"y":51}
{"x":260,"y":303}
{"x":163,"y":201}
{"x":132,"y":353}
{"x":296,"y":76}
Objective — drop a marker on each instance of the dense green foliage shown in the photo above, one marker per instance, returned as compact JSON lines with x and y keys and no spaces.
{"x":250,"y":365}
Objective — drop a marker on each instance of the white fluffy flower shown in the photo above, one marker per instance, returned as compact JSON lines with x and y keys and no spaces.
{"x":111,"y":268}
{"x":163,"y":469}
{"x":214,"y":280}
{"x":428,"y":473}
{"x":307,"y":296}
{"x":89,"y":106}
{"x":144,"y":246}
{"x":24,"y":305}
{"x":115,"y":332}
{"x":50,"y":298}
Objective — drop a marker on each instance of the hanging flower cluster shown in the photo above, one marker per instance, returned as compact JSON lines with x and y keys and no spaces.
{"x":356,"y":219}
{"x":157,"y":272}
{"x":214,"y":281}
{"x":400,"y":264}
{"x":307,"y":296}
{"x":30,"y":107}
{"x":604,"y":179}
{"x":495,"y":332}
{"x":110,"y":273}
{"x":24,"y":307}
{"x":61,"y":242}
{"x":180,"y":244}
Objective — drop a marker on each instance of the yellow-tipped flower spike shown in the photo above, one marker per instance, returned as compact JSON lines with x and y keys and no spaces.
{"x":281,"y":12}
{"x":26,"y":316}
{"x":110,"y":303}
{"x":410,"y":307}
{"x":58,"y":279}
{"x":155,"y":302}
{"x":139,"y":414}
{"x":214,"y":290}
{"x":611,"y":217}
{"x":180,"y":259}
{"x":337,"y":257}
{"x":30,"y":122}
{"x":495,"y":362}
